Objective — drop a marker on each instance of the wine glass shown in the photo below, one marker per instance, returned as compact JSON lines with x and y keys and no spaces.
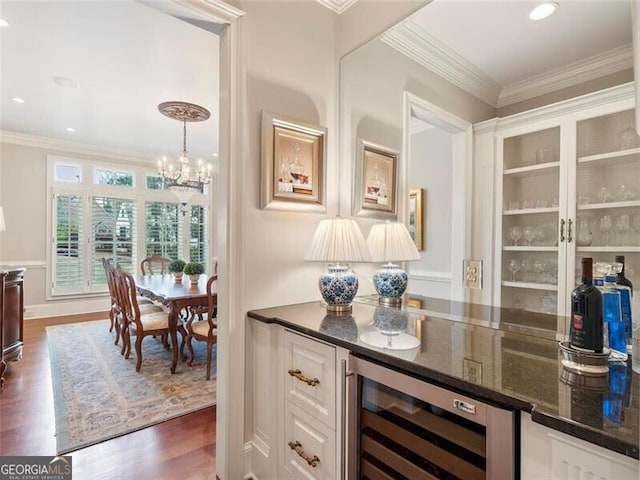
{"x":514,"y":267}
{"x":623,"y":225}
{"x":605,"y":226}
{"x":515,"y":234}
{"x":525,"y":266}
{"x":538,"y":268}
{"x":529,"y":234}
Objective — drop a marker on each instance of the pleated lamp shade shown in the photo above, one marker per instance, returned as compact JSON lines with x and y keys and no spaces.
{"x":338,"y":241}
{"x":391,"y":242}
{"x":3,"y":227}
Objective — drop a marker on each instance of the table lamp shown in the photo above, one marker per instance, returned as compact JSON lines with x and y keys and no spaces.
{"x":3,"y":227}
{"x":338,"y":241}
{"x":391,"y":242}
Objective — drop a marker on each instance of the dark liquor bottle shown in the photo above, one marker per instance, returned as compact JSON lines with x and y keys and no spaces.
{"x":621,"y":279}
{"x":586,"y":330}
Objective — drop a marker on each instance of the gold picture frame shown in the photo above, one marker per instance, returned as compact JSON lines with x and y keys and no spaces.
{"x":293,"y":164}
{"x":375,"y":181}
{"x":416,"y":217}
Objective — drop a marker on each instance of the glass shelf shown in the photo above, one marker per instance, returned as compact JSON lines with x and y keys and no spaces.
{"x":531,"y":286}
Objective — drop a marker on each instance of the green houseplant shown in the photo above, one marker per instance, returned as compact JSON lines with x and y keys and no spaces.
{"x":193,"y":269}
{"x":176,"y":267}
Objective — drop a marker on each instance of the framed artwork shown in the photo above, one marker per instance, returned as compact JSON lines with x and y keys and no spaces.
{"x":293,"y":164}
{"x":375,"y":181}
{"x":416,"y":217}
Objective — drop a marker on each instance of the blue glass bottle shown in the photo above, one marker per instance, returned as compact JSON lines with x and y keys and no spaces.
{"x":615,"y":337}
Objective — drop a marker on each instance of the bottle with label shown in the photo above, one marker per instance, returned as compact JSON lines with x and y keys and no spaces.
{"x":625,"y":287}
{"x":614,"y":335}
{"x":586,"y":329}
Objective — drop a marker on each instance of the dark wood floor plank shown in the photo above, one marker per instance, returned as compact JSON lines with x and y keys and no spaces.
{"x":181,"y":448}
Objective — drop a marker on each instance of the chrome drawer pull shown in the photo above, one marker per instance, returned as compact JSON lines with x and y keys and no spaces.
{"x":298,"y":374}
{"x":312,"y":461}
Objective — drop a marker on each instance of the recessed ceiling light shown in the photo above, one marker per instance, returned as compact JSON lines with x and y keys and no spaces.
{"x":71,"y":129}
{"x":543,"y":10}
{"x":3,"y":23}
{"x":66,"y":82}
{"x":18,"y":99}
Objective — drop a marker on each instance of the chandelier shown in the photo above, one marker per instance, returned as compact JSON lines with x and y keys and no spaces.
{"x":180,"y":177}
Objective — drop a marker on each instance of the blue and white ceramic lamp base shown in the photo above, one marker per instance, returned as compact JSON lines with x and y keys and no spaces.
{"x":390,"y":282}
{"x":338,"y":287}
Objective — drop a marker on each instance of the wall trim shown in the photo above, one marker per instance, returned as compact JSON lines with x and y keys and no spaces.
{"x":76,"y":148}
{"x":430,"y":276}
{"x":411,"y":40}
{"x":61,"y":308}
{"x":597,"y":66}
{"x":28,"y":264}
{"x":338,"y":6}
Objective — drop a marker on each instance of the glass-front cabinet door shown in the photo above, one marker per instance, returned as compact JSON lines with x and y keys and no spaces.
{"x":568,"y":187}
{"x":530,"y":213}
{"x":607,"y":194}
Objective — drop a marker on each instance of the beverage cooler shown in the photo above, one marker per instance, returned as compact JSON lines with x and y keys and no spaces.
{"x":404,"y":428}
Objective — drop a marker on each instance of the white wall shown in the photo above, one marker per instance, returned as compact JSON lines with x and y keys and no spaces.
{"x":430,"y":168}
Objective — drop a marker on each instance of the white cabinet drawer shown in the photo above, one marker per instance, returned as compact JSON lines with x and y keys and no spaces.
{"x":310,"y":371}
{"x":309,"y":446}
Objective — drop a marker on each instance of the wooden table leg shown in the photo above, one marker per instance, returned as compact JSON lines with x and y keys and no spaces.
{"x":173,"y":333}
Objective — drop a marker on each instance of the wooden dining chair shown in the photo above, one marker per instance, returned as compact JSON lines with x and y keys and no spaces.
{"x":155,"y":264}
{"x":206,"y":328}
{"x":114,"y":309}
{"x":133,"y":322}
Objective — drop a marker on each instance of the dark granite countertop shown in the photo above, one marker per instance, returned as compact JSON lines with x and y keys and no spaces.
{"x":506,"y":357}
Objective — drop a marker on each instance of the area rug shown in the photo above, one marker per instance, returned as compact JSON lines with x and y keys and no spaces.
{"x":98,"y":394}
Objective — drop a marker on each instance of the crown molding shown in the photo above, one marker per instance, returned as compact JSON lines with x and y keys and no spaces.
{"x":418,"y":126}
{"x":66,"y":146}
{"x":612,"y":61}
{"x":337,"y":6}
{"x":411,"y":40}
{"x":624,"y":92}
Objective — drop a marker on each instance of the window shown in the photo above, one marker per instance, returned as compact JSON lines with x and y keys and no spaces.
{"x":68,"y":265}
{"x":198,"y":234}
{"x":108,"y":211}
{"x":162,"y":229}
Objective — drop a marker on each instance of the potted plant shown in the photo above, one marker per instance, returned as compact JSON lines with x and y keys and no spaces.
{"x":176,"y":267}
{"x":194,"y":270}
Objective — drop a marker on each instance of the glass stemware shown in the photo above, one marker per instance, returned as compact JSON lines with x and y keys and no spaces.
{"x":529,"y":234}
{"x":605,"y":226}
{"x":515,"y":234}
{"x":514,"y":267}
{"x":539,"y":268}
{"x":623,"y":225}
{"x":525,"y":266}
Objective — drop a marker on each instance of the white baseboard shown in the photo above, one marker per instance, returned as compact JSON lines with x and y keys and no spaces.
{"x":59,"y":308}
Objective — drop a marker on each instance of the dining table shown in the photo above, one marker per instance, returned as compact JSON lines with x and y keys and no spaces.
{"x":176,"y":296}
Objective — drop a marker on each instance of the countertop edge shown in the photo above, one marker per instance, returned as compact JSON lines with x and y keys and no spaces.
{"x":463,"y":387}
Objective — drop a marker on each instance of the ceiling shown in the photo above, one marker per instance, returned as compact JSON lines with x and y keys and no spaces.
{"x":127,"y":57}
{"x":493,"y":50}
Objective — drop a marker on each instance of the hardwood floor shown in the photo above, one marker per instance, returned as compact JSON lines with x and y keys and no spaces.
{"x":182,"y":448}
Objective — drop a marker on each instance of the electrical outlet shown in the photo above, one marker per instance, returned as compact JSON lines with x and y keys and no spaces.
{"x":473,"y":273}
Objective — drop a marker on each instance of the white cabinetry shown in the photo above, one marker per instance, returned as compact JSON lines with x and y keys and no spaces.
{"x":551,"y":455}
{"x":295,"y":408}
{"x":567,"y":186}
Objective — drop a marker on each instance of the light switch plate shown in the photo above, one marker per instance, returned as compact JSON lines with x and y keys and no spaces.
{"x":472,"y":273}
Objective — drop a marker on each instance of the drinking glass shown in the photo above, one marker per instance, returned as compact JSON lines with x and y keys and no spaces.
{"x":623,"y":225}
{"x":515,"y":234}
{"x":514,"y":267}
{"x":525,"y":266}
{"x":539,"y":269}
{"x":529,"y":234}
{"x":540,"y":235}
{"x":605,"y":226}
{"x":636,"y":227}
{"x":604,"y":196}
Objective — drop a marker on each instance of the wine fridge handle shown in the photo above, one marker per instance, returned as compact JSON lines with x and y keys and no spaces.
{"x":344,"y":374}
{"x":569,"y":230}
{"x":562,"y":222}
